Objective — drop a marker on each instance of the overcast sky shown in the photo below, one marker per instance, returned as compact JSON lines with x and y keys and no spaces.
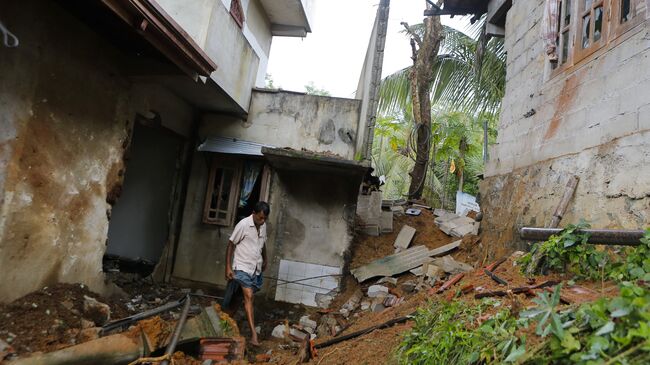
{"x":332,"y":55}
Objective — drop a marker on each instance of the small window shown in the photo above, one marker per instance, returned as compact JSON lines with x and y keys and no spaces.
{"x":234,"y":186}
{"x":592,"y":27}
{"x":237,"y":12}
{"x":626,"y":14}
{"x":563,"y":39}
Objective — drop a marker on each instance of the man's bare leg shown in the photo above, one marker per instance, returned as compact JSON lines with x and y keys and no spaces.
{"x":248,"y":306}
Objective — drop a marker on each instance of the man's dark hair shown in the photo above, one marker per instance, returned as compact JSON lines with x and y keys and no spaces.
{"x":262,"y":207}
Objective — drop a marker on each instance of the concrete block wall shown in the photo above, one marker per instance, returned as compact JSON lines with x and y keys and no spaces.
{"x":590,"y":117}
{"x":296,"y":120}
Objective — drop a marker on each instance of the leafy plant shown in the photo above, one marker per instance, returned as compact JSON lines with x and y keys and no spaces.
{"x":449,"y":333}
{"x":567,"y":251}
{"x":637,"y":262}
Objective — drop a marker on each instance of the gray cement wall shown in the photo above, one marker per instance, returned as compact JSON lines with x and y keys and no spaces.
{"x":295,"y":120}
{"x":590,"y":120}
{"x":65,"y":119}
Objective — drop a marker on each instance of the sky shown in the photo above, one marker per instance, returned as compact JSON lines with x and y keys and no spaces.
{"x":332,"y":55}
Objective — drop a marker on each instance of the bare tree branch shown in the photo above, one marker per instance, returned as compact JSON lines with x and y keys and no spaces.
{"x":412,"y":33}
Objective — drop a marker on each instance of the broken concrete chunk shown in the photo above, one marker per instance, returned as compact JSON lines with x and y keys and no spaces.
{"x":375,"y":291}
{"x":409,"y":286}
{"x":397,"y":211}
{"x":324,"y":300}
{"x":307,"y":322}
{"x":279,"y":331}
{"x":451,"y":266}
{"x":377,"y":305}
{"x":298,"y":333}
{"x":95,"y":311}
{"x":404,"y":237}
{"x":433,"y":271}
{"x":365,"y":305}
{"x":462,"y":230}
{"x":477,"y":226}
{"x":353,"y":301}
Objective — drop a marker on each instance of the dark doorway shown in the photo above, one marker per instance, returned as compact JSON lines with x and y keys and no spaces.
{"x":138,"y":228}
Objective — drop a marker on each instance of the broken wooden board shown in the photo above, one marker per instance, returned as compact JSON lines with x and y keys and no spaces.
{"x":404,"y":237}
{"x":401,"y":262}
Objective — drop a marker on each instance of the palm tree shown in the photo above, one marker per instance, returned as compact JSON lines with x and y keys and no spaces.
{"x":469,"y":77}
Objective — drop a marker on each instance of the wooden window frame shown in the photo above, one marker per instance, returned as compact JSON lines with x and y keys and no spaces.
{"x":224,"y":162}
{"x":580,"y":53}
{"x":618,"y":28}
{"x":237,"y":165}
{"x":565,"y":28}
{"x":237,"y":12}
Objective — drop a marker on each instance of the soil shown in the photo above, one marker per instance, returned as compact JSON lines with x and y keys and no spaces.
{"x":366,"y":249}
{"x":48,"y":319}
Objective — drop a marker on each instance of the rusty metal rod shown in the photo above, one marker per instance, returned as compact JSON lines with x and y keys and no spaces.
{"x":177,"y":330}
{"x":140,"y":316}
{"x":629,"y":237}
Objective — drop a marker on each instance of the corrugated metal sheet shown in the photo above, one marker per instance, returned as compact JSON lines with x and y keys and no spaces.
{"x":400,"y":262}
{"x":231,"y":146}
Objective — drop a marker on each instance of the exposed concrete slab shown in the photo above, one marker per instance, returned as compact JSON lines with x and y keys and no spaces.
{"x":404,"y":237}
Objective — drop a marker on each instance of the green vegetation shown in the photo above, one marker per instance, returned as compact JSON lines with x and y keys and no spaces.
{"x":311,"y":89}
{"x":608,"y":331}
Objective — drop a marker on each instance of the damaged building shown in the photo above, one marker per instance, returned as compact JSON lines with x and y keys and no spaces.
{"x":575,"y":105}
{"x":141,"y":130}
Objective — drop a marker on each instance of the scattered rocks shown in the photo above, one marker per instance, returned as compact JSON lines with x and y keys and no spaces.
{"x":280,"y":331}
{"x":95,"y":311}
{"x":375,"y":291}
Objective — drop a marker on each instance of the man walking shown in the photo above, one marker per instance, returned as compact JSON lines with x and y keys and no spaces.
{"x":246,"y":260}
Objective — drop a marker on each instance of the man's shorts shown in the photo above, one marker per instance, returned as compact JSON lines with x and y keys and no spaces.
{"x":247,"y":280}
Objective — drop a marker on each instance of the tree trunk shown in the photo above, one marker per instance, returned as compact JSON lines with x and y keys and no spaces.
{"x":462,"y":148}
{"x":422,"y":78}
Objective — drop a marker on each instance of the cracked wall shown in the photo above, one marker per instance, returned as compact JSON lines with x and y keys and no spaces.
{"x":590,"y":120}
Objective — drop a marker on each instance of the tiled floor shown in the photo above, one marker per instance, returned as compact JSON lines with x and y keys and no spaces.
{"x":305,"y":291}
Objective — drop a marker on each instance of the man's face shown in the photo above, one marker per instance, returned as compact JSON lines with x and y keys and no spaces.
{"x":259,"y":218}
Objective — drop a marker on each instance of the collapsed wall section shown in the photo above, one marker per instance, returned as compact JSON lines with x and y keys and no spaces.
{"x":64,"y":131}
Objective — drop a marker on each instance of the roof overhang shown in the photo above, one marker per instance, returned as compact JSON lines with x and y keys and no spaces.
{"x":459,"y":7}
{"x":157,"y":27}
{"x":306,"y":161}
{"x":288,"y":17}
{"x":232,"y":146}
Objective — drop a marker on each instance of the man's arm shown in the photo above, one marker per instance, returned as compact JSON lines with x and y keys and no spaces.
{"x":229,"y":250}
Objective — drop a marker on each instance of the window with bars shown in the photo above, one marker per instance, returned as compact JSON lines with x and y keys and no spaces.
{"x":234,"y":186}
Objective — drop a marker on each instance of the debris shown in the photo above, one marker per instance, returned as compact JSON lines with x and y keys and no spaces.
{"x":404,"y":238}
{"x":169,"y":351}
{"x":451,"y":282}
{"x":388,"y":279}
{"x":375,"y":291}
{"x":377,"y":306}
{"x":456,"y":225}
{"x":327,"y":326}
{"x":413,"y":211}
{"x":392,"y":300}
{"x":421,"y":206}
{"x":307,"y":322}
{"x":409,"y":286}
{"x":279,"y":331}
{"x":439,"y":212}
{"x":561,"y":208}
{"x":397,"y":211}
{"x":577,"y":294}
{"x":263,"y":358}
{"x":97,"y":312}
{"x":363,"y":331}
{"x":324,"y":300}
{"x":493,"y":266}
{"x":222,"y":349}
{"x":299,"y":334}
{"x":401,"y":262}
{"x":467,"y":289}
{"x":352,"y":303}
{"x":451,"y":266}
{"x":520,"y":290}
{"x":494,"y":277}
{"x":5,"y":350}
{"x":365,"y":305}
{"x":140,"y":316}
